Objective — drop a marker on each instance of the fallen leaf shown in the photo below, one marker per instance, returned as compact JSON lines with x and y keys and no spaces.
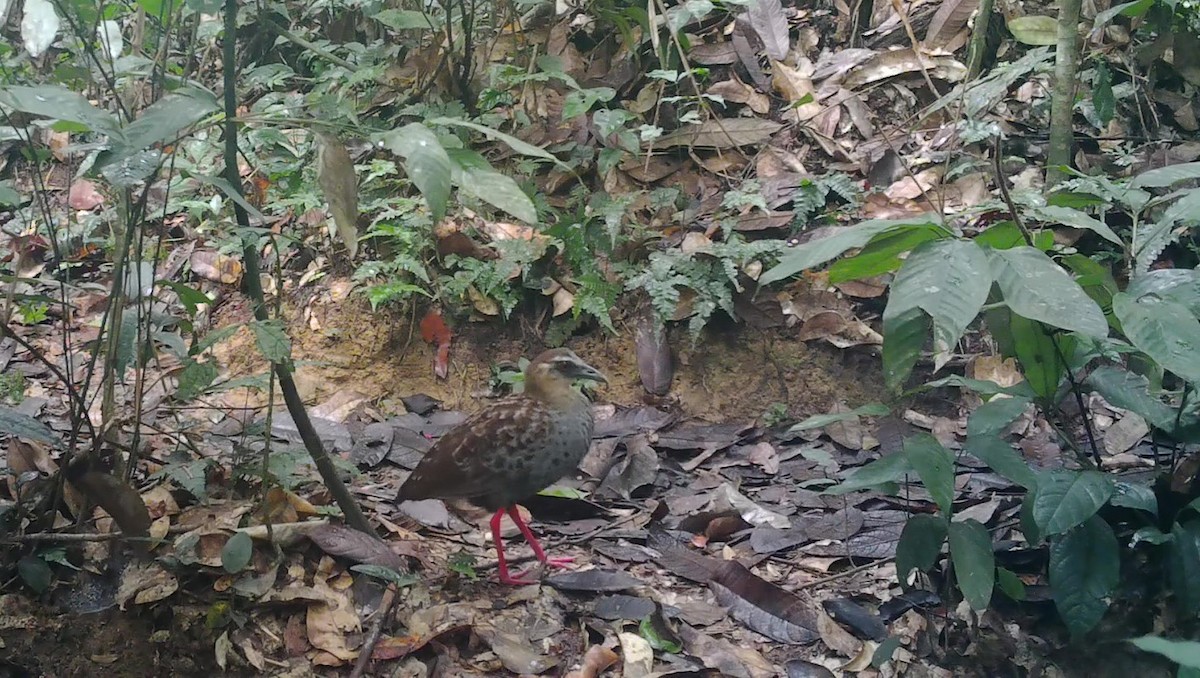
{"x":434,"y":331}
{"x":637,"y":655}
{"x":339,"y":184}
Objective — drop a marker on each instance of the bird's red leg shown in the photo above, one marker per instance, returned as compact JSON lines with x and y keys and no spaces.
{"x":502,"y":564}
{"x":533,"y":542}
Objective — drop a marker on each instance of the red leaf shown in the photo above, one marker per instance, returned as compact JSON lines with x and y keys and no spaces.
{"x":434,"y":331}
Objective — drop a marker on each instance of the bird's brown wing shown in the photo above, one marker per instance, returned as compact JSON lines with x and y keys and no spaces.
{"x":462,"y":462}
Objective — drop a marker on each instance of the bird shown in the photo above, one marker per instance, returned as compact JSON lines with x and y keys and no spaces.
{"x":513,"y":448}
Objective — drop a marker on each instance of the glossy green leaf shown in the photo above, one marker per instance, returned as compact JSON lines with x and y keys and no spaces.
{"x":1035,"y":287}
{"x":903,"y":337}
{"x":1183,"y":561}
{"x":1010,"y":584}
{"x":60,"y":103}
{"x":935,"y":465}
{"x":426,"y":162}
{"x":882,"y":254}
{"x":947,"y":279}
{"x":822,"y":420}
{"x":816,"y":252}
{"x":1038,"y":355}
{"x":1134,"y":496}
{"x":1164,"y":330}
{"x":974,"y":562}
{"x":920,"y":545}
{"x":1067,"y":216}
{"x":887,"y":469}
{"x":1085,"y":567}
{"x":36,"y":574}
{"x":1166,"y":176}
{"x":1001,"y":458}
{"x":474,"y":176}
{"x":995,"y":416}
{"x":1130,"y":391}
{"x":272,"y":340}
{"x":1067,"y":499}
{"x":1182,"y":652}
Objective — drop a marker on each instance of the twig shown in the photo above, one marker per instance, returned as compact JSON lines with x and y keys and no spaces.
{"x":843,"y":574}
{"x":368,"y":646}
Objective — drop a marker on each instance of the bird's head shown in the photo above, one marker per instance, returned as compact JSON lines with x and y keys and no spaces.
{"x":550,"y":375}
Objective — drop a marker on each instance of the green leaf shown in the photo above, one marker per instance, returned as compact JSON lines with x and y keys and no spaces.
{"x":24,"y":426}
{"x":1067,"y":499}
{"x":935,"y":465}
{"x":981,"y":386}
{"x":234,"y":194}
{"x":1029,"y":526}
{"x":1165,"y":176}
{"x":974,"y":562}
{"x":881,"y":255}
{"x":407,"y":19}
{"x":236,"y":553}
{"x":821,"y":420}
{"x":1180,"y":285}
{"x":472,"y":174}
{"x":1034,"y":30}
{"x":1036,"y":288}
{"x":1134,"y":496}
{"x":1150,"y":535}
{"x":1182,"y":652}
{"x":1004,"y":235}
{"x":522,"y":147}
{"x":194,"y":379}
{"x":1076,"y":219}
{"x":647,"y":630}
{"x":272,"y":340}
{"x":816,"y":252}
{"x":1102,"y":94}
{"x":903,"y":337}
{"x":948,"y":279}
{"x":1010,"y":584}
{"x":60,"y":103}
{"x":190,"y":297}
{"x":920,"y":545}
{"x":127,"y":341}
{"x":886,"y":469}
{"x":35,"y":573}
{"x":426,"y":162}
{"x":165,"y":119}
{"x":1001,"y":458}
{"x":1164,"y":330}
{"x":386,"y":574}
{"x":1183,"y":563}
{"x":1133,"y":8}
{"x":1085,"y":567}
{"x":1040,"y":360}
{"x":994,"y":417}
{"x":883,"y":654}
{"x":215,"y":337}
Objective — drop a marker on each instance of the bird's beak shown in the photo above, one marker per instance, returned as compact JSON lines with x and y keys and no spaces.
{"x":586,"y":371}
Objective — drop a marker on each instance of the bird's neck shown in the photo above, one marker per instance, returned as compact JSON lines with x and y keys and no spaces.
{"x":558,"y":394}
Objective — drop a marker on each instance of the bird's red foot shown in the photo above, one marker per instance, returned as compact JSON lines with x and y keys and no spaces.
{"x":560,"y":563}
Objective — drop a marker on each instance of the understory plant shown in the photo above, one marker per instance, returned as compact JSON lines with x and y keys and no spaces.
{"x":1072,"y":328}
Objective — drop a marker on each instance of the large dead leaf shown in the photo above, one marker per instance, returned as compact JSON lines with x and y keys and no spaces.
{"x":727,"y":133}
{"x":768,"y":609}
{"x":339,"y":184}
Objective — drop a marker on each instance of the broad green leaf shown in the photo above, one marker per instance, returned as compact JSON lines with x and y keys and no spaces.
{"x":24,"y":426}
{"x":816,"y":252}
{"x":1180,"y":285}
{"x":1001,"y":236}
{"x":920,"y":544}
{"x":648,"y":629}
{"x":1165,"y":176}
{"x":1001,"y":458}
{"x":1034,"y":30}
{"x":882,"y":254}
{"x":126,"y":342}
{"x":215,"y":337}
{"x":1164,"y":330}
{"x":60,"y":103}
{"x":190,"y":297}
{"x":949,"y":280}
{"x":472,"y":174}
{"x":8,"y":195}
{"x":1076,"y":219}
{"x":232,"y":193}
{"x":1133,"y":8}
{"x":1182,"y":652}
{"x":1186,"y":209}
{"x":935,"y":465}
{"x":522,"y":147}
{"x":1183,"y":559}
{"x":1134,"y":496}
{"x":165,"y":119}
{"x":887,"y":469}
{"x":1102,"y":95}
{"x":1029,"y":527}
{"x":386,"y":574}
{"x":820,"y":420}
{"x":980,"y":386}
{"x":1085,"y":567}
{"x":1038,"y":355}
{"x":272,"y":340}
{"x":407,"y":19}
{"x":36,"y":574}
{"x":1010,"y":584}
{"x":903,"y":337}
{"x":1095,"y":278}
{"x":236,"y":553}
{"x":994,"y":416}
{"x":426,"y":162}
{"x":1150,"y":535}
{"x":194,"y":379}
{"x":974,"y":562}
{"x":1067,"y":499}
{"x":1035,"y":287}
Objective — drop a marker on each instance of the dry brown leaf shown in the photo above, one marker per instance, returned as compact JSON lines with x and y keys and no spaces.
{"x":211,"y":265}
{"x":899,"y":62}
{"x":595,"y":661}
{"x":339,"y":184}
{"x":718,"y":133}
{"x":794,"y":86}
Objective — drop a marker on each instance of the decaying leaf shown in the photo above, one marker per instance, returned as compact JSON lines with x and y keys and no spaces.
{"x":768,"y":609}
{"x":339,"y":184}
{"x":434,"y":331}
